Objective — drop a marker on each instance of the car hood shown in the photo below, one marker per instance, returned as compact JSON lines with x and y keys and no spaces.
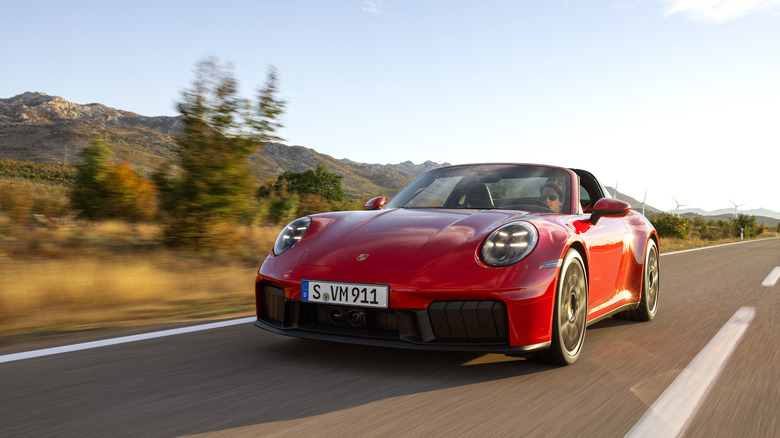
{"x":400,"y":239}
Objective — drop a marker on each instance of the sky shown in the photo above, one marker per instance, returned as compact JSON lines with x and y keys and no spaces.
{"x":678,"y":99}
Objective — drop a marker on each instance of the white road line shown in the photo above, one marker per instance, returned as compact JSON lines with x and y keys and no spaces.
{"x":771,"y":279}
{"x":717,"y":246}
{"x":122,"y":340}
{"x":671,"y":414}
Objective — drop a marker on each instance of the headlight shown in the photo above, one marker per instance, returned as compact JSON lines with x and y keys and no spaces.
{"x":509,"y":244}
{"x":291,"y":234}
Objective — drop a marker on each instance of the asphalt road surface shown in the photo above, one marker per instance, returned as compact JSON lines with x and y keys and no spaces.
{"x":243,"y":381}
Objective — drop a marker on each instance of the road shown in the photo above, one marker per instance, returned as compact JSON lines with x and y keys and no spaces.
{"x":242,"y":381}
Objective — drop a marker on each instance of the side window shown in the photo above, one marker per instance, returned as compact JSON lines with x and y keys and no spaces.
{"x":590,"y":190}
{"x":585,"y":201}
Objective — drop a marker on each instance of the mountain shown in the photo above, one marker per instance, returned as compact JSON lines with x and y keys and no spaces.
{"x":42,"y":128}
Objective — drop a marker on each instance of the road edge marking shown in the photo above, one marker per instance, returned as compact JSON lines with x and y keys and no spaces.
{"x":673,"y":411}
{"x":121,"y":340}
{"x":771,"y":279}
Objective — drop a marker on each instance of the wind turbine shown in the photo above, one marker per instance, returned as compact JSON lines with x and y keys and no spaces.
{"x":735,"y":207}
{"x":643,"y":203}
{"x":677,"y":210}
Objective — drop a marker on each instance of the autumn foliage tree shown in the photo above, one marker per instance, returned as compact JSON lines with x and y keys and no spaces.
{"x":127,"y":195}
{"x":107,"y":190}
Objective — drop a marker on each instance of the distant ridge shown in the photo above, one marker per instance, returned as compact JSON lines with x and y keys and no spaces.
{"x":38,"y":127}
{"x":730,"y":212}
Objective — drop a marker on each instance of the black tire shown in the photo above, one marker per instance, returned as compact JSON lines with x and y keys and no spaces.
{"x":569,"y":314}
{"x":651,"y":286}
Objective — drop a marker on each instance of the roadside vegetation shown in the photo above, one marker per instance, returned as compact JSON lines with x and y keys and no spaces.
{"x":680,"y":232}
{"x":49,"y":173}
{"x":100,"y":244}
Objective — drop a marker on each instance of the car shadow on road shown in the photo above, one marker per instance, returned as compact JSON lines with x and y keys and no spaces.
{"x":289,"y":378}
{"x":611,"y":322}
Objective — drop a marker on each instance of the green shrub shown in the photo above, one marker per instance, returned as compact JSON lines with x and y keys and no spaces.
{"x":669,"y":225}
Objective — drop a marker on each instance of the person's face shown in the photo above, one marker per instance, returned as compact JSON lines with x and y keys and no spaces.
{"x":551,"y":198}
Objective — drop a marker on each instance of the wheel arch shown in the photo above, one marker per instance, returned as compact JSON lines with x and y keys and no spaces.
{"x":580,"y":248}
{"x":654,"y":238}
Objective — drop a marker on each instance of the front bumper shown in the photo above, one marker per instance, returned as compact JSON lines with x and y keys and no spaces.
{"x":462,"y":325}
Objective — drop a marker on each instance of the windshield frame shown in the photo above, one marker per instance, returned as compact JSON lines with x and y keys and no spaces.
{"x":489,"y":173}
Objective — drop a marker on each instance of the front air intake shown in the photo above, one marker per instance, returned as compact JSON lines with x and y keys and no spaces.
{"x":272,"y":303}
{"x":469,"y":320}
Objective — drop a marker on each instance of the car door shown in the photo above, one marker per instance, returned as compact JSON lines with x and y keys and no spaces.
{"x":607,"y":252}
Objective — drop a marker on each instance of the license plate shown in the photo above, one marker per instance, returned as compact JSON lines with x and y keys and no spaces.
{"x":347,"y":294}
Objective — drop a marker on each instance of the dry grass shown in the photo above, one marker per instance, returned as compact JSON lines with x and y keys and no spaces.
{"x":669,"y":244}
{"x":74,"y":294}
{"x":82,"y":276}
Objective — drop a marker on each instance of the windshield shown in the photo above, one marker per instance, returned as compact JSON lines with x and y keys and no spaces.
{"x":511,"y":187}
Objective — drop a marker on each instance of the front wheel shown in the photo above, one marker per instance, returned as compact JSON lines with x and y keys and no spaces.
{"x":569,"y":314}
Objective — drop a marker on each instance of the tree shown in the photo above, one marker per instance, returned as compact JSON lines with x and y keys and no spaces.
{"x":744,"y":223}
{"x":311,"y":204}
{"x":283,"y":204}
{"x":105,"y":190}
{"x":315,"y":182}
{"x":127,"y":195}
{"x":296,"y":194}
{"x":213,"y":189}
{"x":88,"y":192}
{"x":263,"y":123}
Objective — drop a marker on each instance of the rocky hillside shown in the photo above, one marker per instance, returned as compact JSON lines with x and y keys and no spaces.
{"x":42,"y":128}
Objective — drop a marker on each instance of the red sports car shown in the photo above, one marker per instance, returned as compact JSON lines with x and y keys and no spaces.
{"x":509,"y":258}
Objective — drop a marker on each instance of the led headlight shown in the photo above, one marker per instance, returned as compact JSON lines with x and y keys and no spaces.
{"x":291,"y":234}
{"x":509,"y":244}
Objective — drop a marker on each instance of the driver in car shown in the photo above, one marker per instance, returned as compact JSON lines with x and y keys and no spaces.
{"x":552,"y":195}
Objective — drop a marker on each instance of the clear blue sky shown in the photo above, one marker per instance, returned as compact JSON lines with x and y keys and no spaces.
{"x":677,"y":97}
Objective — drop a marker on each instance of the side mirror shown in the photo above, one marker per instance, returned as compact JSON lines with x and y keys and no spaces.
{"x":376,"y":203}
{"x":607,"y":207}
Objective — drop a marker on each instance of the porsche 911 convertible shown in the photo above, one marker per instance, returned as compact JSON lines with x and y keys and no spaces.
{"x":504,"y":258}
